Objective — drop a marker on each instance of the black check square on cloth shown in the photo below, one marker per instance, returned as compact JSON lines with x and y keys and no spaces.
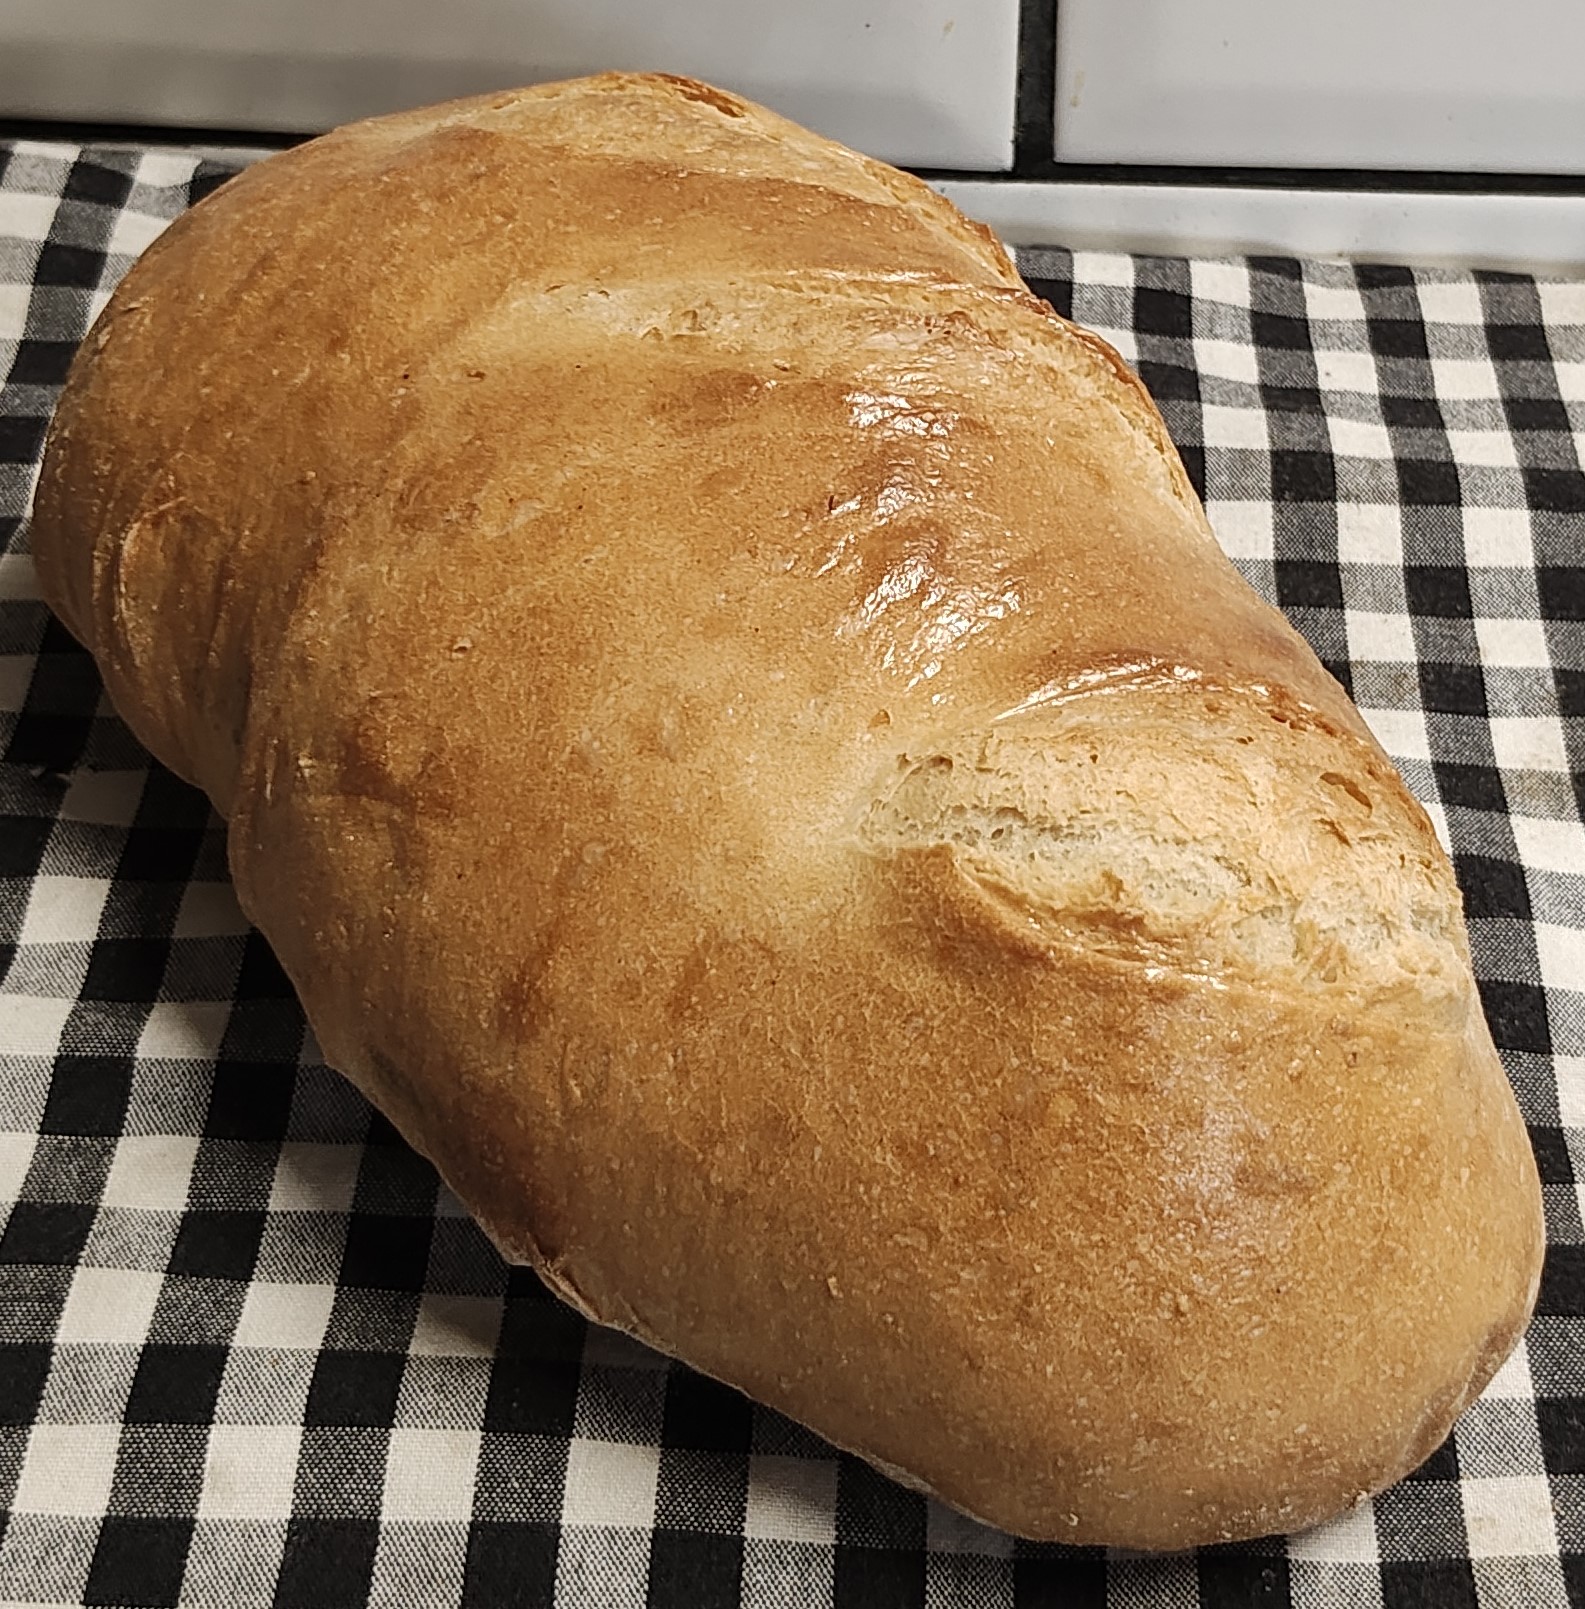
{"x":252,"y":1353}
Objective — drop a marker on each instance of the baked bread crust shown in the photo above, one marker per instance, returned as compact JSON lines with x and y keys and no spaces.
{"x":736,"y":725}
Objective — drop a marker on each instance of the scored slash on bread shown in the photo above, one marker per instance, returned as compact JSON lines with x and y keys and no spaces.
{"x":736,"y":725}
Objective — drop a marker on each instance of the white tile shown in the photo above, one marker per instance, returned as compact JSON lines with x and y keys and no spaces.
{"x":1346,"y":371}
{"x":1369,"y":533}
{"x":311,"y":1177}
{"x":1384,"y":638}
{"x":1349,"y":1539}
{"x":947,"y":1531}
{"x":250,"y":1472}
{"x":63,"y":909}
{"x":1571,"y":380}
{"x":209,"y":910}
{"x":106,"y":798}
{"x":1529,"y":743}
{"x":1232,"y":81}
{"x":30,"y":1026}
{"x":1512,"y":642}
{"x":185,"y":1030}
{"x":1460,"y":379}
{"x":1548,"y":845}
{"x":1492,"y":449}
{"x":111,"y":1305}
{"x":1359,"y":438}
{"x":1243,"y":529}
{"x":150,"y":1172}
{"x":16,"y":676}
{"x":1400,"y":732}
{"x":610,"y":1483}
{"x":792,"y":1499}
{"x":929,"y":84}
{"x":67,"y":1470}
{"x":1235,"y":427}
{"x":1497,"y":538}
{"x":456,"y":1326}
{"x":1512,"y":1382}
{"x":1509,"y":1517}
{"x":1561,"y":951}
{"x":429,"y":1475}
{"x":1228,"y":360}
{"x":285,"y":1317}
{"x":16,"y":1152}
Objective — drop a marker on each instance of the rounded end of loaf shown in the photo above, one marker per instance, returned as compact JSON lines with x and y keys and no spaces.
{"x":1242,"y":1213}
{"x":1277,"y":1220}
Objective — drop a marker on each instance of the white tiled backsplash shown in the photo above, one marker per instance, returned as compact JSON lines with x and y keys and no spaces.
{"x":1349,"y":84}
{"x":928,"y":83}
{"x":1356,"y":84}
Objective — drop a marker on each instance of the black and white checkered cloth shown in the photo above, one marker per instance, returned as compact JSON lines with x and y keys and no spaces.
{"x":251,"y":1354}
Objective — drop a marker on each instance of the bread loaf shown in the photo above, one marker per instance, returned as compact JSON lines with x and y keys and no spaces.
{"x":735,"y":723}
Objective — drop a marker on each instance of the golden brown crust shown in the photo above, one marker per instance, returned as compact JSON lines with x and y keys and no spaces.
{"x":733,"y":719}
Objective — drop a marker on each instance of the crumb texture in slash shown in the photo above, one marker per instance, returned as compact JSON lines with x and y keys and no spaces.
{"x":1249,"y":847}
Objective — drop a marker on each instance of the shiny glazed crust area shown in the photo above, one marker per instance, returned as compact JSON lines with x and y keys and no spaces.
{"x":735,"y":723}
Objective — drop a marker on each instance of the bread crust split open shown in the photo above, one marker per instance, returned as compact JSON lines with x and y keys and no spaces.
{"x":734,"y":721}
